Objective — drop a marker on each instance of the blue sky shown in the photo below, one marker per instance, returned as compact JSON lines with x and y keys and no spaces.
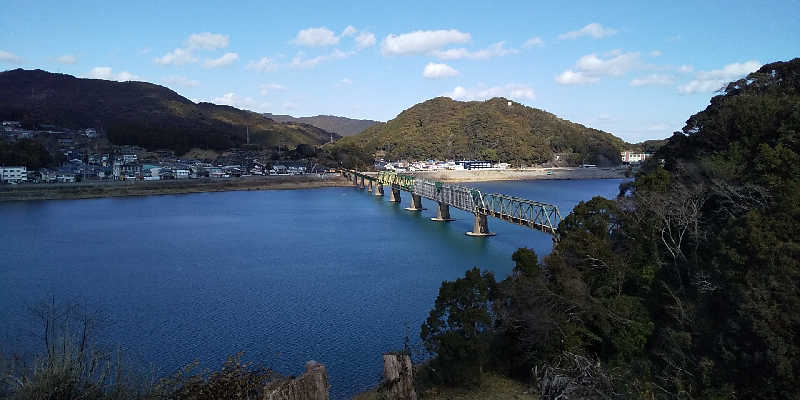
{"x":636,"y":69}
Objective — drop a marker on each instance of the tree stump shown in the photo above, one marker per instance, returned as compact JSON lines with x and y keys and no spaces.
{"x":312,"y":385}
{"x":398,"y":377}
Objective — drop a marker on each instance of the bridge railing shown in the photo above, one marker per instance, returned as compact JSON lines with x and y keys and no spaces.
{"x":405,"y":182}
{"x":537,"y":215}
{"x":453,"y":195}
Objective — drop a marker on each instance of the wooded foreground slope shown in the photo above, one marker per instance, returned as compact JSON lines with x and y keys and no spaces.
{"x":686,"y":286}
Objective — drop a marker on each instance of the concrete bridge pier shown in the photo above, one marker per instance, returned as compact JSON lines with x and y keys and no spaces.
{"x":355,"y":180}
{"x":394,"y":197}
{"x":481,"y":227}
{"x":361,"y":186}
{"x":378,"y":189}
{"x":416,"y":203}
{"x":369,"y":187}
{"x":443,"y":213}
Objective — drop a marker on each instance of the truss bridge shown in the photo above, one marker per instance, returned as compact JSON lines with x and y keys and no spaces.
{"x":516,"y":210}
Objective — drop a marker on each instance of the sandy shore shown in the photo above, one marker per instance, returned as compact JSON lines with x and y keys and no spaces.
{"x":523,"y":174}
{"x":88,"y":190}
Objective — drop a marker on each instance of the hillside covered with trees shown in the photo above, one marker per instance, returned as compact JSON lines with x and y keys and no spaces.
{"x":489,"y":130}
{"x":341,"y":125}
{"x":686,"y":286}
{"x":141,"y":113}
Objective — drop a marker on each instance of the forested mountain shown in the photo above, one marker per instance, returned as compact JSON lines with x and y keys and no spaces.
{"x":331,"y":123}
{"x":140,"y":113}
{"x":492,"y":130}
{"x":686,"y":286}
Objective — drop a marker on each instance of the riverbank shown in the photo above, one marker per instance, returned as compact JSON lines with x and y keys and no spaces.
{"x":523,"y":174}
{"x":88,"y":190}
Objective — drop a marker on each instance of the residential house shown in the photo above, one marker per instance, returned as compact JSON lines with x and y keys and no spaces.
{"x":47,"y":175}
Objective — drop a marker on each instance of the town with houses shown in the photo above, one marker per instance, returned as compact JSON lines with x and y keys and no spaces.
{"x":82,"y":160}
{"x":131,"y":163}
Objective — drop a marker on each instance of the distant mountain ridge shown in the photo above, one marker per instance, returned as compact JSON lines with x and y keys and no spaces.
{"x":141,"y":113}
{"x":342,"y":125}
{"x":496,"y":129}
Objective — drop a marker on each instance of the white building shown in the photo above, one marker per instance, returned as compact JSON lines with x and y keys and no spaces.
{"x":629,"y":157}
{"x":181,"y":174}
{"x":13,"y":174}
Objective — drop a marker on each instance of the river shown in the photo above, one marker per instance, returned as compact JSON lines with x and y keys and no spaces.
{"x":335,"y":275}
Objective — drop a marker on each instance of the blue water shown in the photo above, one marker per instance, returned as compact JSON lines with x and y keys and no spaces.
{"x":335,"y":275}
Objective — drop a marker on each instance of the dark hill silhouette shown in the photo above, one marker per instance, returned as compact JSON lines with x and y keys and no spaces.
{"x":141,"y":113}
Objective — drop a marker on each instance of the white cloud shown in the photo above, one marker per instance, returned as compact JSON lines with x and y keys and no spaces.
{"x":710,"y":81}
{"x":594,"y":30}
{"x":176,"y":57}
{"x":656,"y":53}
{"x":730,"y":71}
{"x":349,"y":31}
{"x":108,"y":74}
{"x":570,"y":77}
{"x":533,"y":42}
{"x":101,"y":73}
{"x":365,"y":39}
{"x":182,"y":81}
{"x":316,"y":37}
{"x":67,"y":59}
{"x":234,"y":100}
{"x":591,"y":67}
{"x":267,"y":88}
{"x":262,"y":65}
{"x":9,"y":58}
{"x":686,"y":68}
{"x":196,"y":41}
{"x":616,"y":64}
{"x":652,"y":79}
{"x":496,"y":50}
{"x":125,"y":76}
{"x":436,"y":71}
{"x":224,"y":60}
{"x":207,"y":41}
{"x":422,"y":41}
{"x":345,"y":81}
{"x":512,"y":91}
{"x":300,"y":62}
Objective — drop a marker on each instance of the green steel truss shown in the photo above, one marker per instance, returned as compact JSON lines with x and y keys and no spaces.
{"x":533,"y":214}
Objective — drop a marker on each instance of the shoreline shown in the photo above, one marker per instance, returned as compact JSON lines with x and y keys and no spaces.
{"x":102,"y":189}
{"x":93,"y":190}
{"x":522,"y":174}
